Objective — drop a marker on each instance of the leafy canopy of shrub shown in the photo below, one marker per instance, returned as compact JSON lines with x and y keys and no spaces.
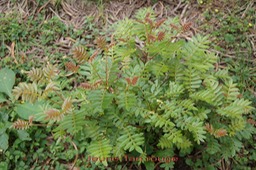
{"x":147,"y":92}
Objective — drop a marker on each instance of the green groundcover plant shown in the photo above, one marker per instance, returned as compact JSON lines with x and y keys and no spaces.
{"x":147,"y":91}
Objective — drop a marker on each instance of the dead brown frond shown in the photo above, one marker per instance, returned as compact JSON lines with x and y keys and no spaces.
{"x":151,"y":38}
{"x":101,"y":43}
{"x":80,"y":54}
{"x":186,"y":27}
{"x":21,"y":124}
{"x":71,"y":67}
{"x":220,"y":133}
{"x":54,"y":114}
{"x":93,"y":56}
{"x":85,"y":85}
{"x":160,"y":36}
{"x":159,"y":23}
{"x":67,"y":105}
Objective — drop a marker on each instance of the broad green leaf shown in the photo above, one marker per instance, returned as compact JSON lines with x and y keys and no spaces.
{"x":149,"y":165}
{"x":23,"y":135}
{"x":4,"y":165}
{"x":7,"y":80}
{"x":2,"y":98}
{"x":4,"y":141}
{"x":28,"y":109}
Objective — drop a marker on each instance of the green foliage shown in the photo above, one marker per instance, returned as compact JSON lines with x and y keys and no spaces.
{"x":7,"y":78}
{"x":147,"y":93}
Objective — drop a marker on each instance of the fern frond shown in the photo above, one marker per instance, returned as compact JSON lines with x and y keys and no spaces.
{"x":51,"y":87}
{"x":216,"y":90}
{"x":177,"y":72}
{"x":80,"y":54}
{"x":93,"y":131}
{"x":164,"y":143}
{"x":186,"y":27}
{"x":230,"y":91}
{"x":174,"y":135}
{"x":160,"y":121}
{"x":220,"y":133}
{"x":223,"y":74}
{"x":213,"y":146}
{"x":86,"y":86}
{"x":160,"y":36}
{"x":145,"y":13}
{"x":27,"y":91}
{"x":188,"y":104}
{"x":126,"y":100}
{"x":203,"y":95}
{"x":71,"y":123}
{"x":192,"y":79}
{"x":185,"y":144}
{"x":209,"y":128}
{"x":236,"y":109}
{"x":202,"y":42}
{"x":71,"y":67}
{"x":171,"y":109}
{"x":93,"y":56}
{"x":158,"y":68}
{"x":50,"y":72}
{"x":100,"y":99}
{"x":159,"y":23}
{"x":54,"y":114}
{"x":21,"y":124}
{"x":194,"y":125}
{"x":174,"y":90}
{"x":244,"y":105}
{"x":36,"y":75}
{"x":67,"y":105}
{"x":118,"y":151}
{"x":131,"y":140}
{"x":237,"y":125}
{"x":100,"y":149}
{"x":101,"y":43}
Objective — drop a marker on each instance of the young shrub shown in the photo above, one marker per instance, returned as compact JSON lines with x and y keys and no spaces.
{"x":148,"y":93}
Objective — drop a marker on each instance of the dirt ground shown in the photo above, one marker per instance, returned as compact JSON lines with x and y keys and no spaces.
{"x":106,"y":12}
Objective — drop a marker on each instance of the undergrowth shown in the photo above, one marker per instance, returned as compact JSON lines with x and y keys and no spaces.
{"x":145,"y":93}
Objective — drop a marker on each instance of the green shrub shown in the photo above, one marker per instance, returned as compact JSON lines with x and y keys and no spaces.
{"x":148,"y":92}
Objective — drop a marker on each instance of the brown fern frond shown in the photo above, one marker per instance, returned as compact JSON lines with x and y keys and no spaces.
{"x":93,"y":56}
{"x":51,"y":87}
{"x":101,"y":43}
{"x":36,"y":75}
{"x":67,"y":105}
{"x":148,"y":20}
{"x":160,"y":36}
{"x":54,"y":114}
{"x":186,"y":26}
{"x":50,"y":72}
{"x":97,"y":83}
{"x":80,"y":54}
{"x":28,"y":92}
{"x":159,"y":23}
{"x":151,"y":38}
{"x":251,"y":121}
{"x":220,"y":133}
{"x":132,"y":81}
{"x":21,"y":124}
{"x":86,"y":86}
{"x":209,"y":128}
{"x":174,"y":27}
{"x":71,"y":67}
